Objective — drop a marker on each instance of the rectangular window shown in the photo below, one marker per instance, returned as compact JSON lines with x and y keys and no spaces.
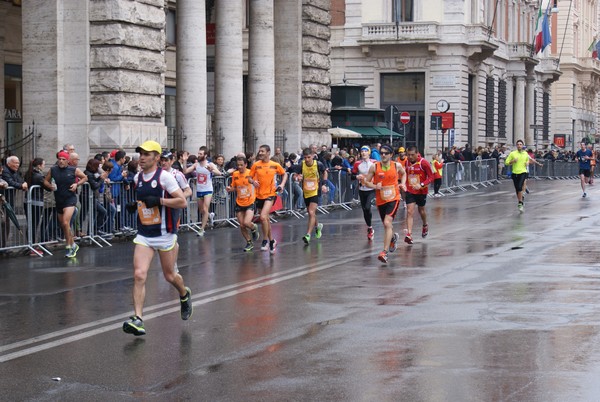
{"x":502,"y":109}
{"x":171,"y":28}
{"x":489,"y":107}
{"x":402,"y":10}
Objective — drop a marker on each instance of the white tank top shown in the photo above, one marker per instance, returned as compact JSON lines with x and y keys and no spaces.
{"x":204,"y":179}
{"x":363,"y":168}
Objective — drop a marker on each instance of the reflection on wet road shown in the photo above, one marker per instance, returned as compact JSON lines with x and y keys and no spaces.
{"x":493,"y":305}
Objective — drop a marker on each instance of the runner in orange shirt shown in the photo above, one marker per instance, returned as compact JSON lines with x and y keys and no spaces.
{"x":262,"y":176}
{"x":244,"y":202}
{"x":384,"y":177}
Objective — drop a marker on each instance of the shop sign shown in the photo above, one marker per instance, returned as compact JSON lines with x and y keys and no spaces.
{"x":12,"y":114}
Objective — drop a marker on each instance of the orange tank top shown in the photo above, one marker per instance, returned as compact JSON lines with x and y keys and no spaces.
{"x":389,"y":184}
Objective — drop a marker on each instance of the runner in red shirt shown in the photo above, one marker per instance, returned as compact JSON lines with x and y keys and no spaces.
{"x":419,"y":175}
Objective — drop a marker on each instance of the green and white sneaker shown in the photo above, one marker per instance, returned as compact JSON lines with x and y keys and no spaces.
{"x":249,"y":246}
{"x":318,"y":230}
{"x":306,"y":239}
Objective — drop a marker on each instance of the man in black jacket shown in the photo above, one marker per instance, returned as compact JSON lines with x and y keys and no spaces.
{"x":13,"y":177}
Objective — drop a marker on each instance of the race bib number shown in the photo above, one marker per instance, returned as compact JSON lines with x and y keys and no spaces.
{"x":413,"y":180}
{"x":202,"y":178}
{"x":243,"y":192}
{"x":310,"y":184}
{"x":148,"y":216}
{"x":388,"y":193}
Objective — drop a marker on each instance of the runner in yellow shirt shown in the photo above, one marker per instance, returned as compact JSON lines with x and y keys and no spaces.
{"x":518,"y":160}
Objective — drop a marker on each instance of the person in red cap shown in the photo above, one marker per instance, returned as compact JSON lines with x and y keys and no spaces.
{"x":65,"y":179}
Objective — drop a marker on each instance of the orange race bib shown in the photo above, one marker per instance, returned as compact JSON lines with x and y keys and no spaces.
{"x":413,"y":180}
{"x":310,"y":184}
{"x":388,"y":193}
{"x":148,"y":216}
{"x":243,"y":192}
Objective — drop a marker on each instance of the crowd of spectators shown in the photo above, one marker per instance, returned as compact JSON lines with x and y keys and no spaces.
{"x":110,"y":175}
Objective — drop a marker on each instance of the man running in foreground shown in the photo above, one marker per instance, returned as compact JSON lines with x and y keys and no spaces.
{"x":384,"y":176}
{"x":159,"y":200}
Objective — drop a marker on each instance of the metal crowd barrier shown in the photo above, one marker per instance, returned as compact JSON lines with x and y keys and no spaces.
{"x":101,"y":214}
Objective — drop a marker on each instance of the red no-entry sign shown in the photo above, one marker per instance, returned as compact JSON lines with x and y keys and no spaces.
{"x":404,"y":117}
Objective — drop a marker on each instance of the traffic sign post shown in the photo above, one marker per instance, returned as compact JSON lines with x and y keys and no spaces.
{"x":391,"y":111}
{"x":404,"y":119}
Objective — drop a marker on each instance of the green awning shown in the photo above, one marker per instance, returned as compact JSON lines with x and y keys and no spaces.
{"x":372,"y":132}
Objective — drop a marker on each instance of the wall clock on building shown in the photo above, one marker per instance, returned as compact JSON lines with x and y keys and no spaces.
{"x":443,"y":106}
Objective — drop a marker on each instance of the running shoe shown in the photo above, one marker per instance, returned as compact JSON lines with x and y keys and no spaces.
{"x":186,"y":305}
{"x":584,"y":195}
{"x":395,"y":238}
{"x":265,"y":245}
{"x":255,"y":233}
{"x":408,"y":239}
{"x":249,"y":246}
{"x":318,"y":230}
{"x":72,"y":251}
{"x":520,"y":207}
{"x":370,"y":233}
{"x":134,"y":326}
{"x":211,"y":219}
{"x":425,"y":231}
{"x":272,"y":246}
{"x":306,"y":239}
{"x":383,"y":256}
{"x":200,"y":233}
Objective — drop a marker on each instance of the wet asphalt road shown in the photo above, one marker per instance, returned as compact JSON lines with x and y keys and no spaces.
{"x":492,"y":306}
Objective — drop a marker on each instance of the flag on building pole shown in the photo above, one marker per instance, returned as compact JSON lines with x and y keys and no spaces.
{"x":593,"y":49}
{"x":542,"y":30}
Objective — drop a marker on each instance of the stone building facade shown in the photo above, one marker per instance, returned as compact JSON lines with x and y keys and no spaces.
{"x":105,"y":74}
{"x":477,"y":56}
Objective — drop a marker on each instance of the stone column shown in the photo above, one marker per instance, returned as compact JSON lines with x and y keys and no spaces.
{"x":55,"y":73}
{"x":261,"y":75}
{"x":191,"y":73}
{"x":510,"y":107}
{"x":316,"y":92}
{"x":127,"y":67}
{"x":519,"y":110}
{"x":229,"y":74}
{"x":288,"y":71}
{"x":530,"y":112}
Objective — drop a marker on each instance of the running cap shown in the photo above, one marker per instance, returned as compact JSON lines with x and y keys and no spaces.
{"x":387,"y":148}
{"x":150,"y":146}
{"x":63,"y":154}
{"x":166,"y":154}
{"x":401,"y":149}
{"x":365,"y":148}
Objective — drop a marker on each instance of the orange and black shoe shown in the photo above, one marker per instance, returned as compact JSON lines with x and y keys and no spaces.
{"x":394,"y":242}
{"x":408,"y":239}
{"x":425,"y":231}
{"x":383,"y":257}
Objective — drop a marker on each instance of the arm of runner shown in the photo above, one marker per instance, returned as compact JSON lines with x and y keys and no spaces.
{"x":402,"y":173}
{"x":368,"y":180}
{"x":47,"y":181}
{"x":190,"y":169}
{"x":82,"y":179}
{"x":284,"y":175}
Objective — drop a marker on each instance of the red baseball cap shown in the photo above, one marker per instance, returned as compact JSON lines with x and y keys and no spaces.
{"x":113,"y":153}
{"x":63,"y":154}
